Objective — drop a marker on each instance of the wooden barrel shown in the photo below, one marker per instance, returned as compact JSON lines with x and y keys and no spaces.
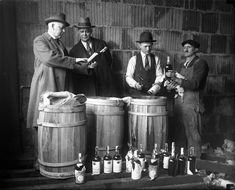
{"x":105,"y":123}
{"x":147,"y":121}
{"x":61,"y":136}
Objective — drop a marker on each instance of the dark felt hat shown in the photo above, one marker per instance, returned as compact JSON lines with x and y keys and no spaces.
{"x":84,"y":23}
{"x":192,"y":43}
{"x":57,"y":18}
{"x":146,"y":36}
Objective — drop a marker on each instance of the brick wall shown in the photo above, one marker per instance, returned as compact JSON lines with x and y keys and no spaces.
{"x":120,"y":22}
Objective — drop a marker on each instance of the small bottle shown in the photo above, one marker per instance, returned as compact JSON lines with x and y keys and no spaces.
{"x":128,"y":158}
{"x":172,"y":167}
{"x":168,"y":67}
{"x":107,"y":161}
{"x":191,"y":163}
{"x":154,"y":164}
{"x":166,"y":156}
{"x":155,"y":159}
{"x":182,"y":162}
{"x":80,"y":170}
{"x":141,"y":157}
{"x":117,"y":161}
{"x":96,"y":163}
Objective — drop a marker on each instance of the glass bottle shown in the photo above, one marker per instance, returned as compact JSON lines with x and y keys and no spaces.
{"x":79,"y":170}
{"x":168,"y":67}
{"x":141,"y":157}
{"x":107,"y":161}
{"x":191,"y":163}
{"x":182,"y":162}
{"x":172,"y":166}
{"x":155,"y":156}
{"x":128,"y":158}
{"x":96,"y":162}
{"x":166,"y":156}
{"x":117,"y":161}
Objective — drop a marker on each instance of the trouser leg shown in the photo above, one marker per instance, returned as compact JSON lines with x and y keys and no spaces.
{"x":192,"y":129}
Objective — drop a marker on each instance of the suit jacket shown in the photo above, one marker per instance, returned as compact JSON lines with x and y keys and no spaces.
{"x":196,"y":75}
{"x":50,"y":68}
{"x":100,"y":83}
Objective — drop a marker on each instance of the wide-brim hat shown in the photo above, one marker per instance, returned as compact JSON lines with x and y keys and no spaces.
{"x":84,"y":23}
{"x":57,"y":18}
{"x":192,"y":43}
{"x":146,"y":36}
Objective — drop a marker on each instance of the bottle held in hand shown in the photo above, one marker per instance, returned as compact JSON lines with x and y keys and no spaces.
{"x":95,"y":54}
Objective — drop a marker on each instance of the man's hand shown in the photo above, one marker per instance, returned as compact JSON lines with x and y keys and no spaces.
{"x":82,"y":60}
{"x":170,"y":74}
{"x":170,"y":85}
{"x":92,"y":65}
{"x":138,"y":86}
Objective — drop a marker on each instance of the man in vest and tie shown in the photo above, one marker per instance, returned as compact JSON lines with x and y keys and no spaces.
{"x":100,"y":82}
{"x":144,"y":74}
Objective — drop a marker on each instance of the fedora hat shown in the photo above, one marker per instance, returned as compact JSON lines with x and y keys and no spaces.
{"x":84,"y":23}
{"x":146,"y":36}
{"x":191,"y":42}
{"x":57,"y":18}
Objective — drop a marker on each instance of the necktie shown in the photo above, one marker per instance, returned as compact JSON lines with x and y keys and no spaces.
{"x":147,"y":66}
{"x":88,"y":48}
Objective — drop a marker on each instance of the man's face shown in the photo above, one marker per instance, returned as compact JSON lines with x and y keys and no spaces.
{"x":189,"y":50}
{"x":146,"y":47}
{"x":58,"y":29}
{"x":85,"y":34}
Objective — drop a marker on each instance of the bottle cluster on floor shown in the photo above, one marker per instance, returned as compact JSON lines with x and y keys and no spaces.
{"x":137,"y":161}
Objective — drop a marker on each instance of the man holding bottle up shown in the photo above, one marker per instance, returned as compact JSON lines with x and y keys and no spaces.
{"x":100,"y":83}
{"x":189,"y":107}
{"x":144,"y":74}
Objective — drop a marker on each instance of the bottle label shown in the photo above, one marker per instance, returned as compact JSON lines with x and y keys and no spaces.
{"x":107,"y":166}
{"x":166,"y":162}
{"x":189,"y":172}
{"x":117,"y":166}
{"x":95,"y":168}
{"x":79,"y":176}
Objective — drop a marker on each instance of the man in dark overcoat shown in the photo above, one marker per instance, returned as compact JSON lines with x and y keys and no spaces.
{"x":50,"y":67}
{"x":100,"y":82}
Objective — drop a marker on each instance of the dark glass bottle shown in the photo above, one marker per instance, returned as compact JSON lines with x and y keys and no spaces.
{"x":141,"y":157}
{"x":166,"y":156}
{"x":96,"y":162}
{"x":168,"y":67}
{"x":107,"y":161}
{"x":182,"y":162}
{"x":191,"y":163}
{"x":154,"y":159}
{"x":117,"y":161}
{"x":172,"y":167}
